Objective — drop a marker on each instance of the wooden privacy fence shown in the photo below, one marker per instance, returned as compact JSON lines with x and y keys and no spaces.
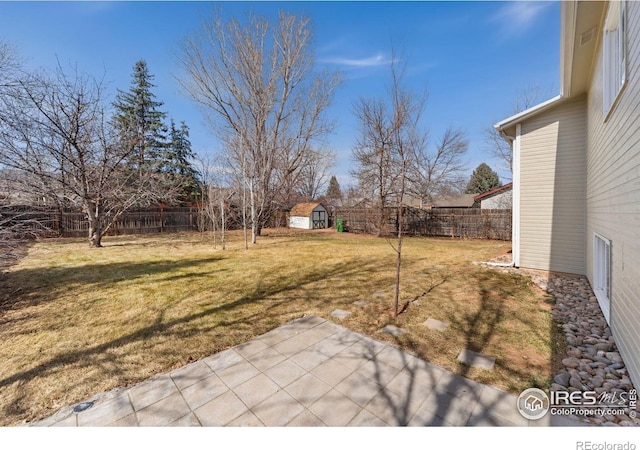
{"x":136,"y":221}
{"x":472,"y":223}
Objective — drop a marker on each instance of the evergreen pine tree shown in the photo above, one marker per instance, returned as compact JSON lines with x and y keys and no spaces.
{"x":483,"y":179}
{"x":178,"y":161}
{"x":333,"y":190}
{"x":139,"y":119}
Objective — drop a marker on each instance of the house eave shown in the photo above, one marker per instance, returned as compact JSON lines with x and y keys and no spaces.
{"x":505,"y":125}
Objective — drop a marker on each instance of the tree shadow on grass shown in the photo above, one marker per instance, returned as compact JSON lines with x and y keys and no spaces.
{"x":427,"y":395}
{"x":25,"y":288}
{"x":229,"y":315}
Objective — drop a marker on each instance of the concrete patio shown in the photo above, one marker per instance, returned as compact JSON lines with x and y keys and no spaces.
{"x":308,"y":372}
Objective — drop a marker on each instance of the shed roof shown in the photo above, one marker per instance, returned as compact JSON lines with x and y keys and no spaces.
{"x":303,"y":209}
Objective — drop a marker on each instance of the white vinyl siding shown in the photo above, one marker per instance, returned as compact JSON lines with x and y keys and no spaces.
{"x":614,"y":54}
{"x":613,"y":193}
{"x":552,"y":189}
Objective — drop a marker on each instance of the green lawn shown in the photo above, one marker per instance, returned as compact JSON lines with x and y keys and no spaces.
{"x":76,"y":321}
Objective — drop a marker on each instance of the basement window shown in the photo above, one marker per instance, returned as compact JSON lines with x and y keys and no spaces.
{"x":602,"y":273}
{"x":614,"y":53}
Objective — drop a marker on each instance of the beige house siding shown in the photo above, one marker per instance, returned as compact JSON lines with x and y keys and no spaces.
{"x":552,"y":186}
{"x":613,"y":193}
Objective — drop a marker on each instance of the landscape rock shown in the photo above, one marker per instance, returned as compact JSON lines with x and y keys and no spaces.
{"x":592,"y":360}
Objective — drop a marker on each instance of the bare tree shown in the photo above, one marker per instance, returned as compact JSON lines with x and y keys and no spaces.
{"x":56,"y":131}
{"x":391,"y":137}
{"x":315,"y":173}
{"x":372,"y":155}
{"x":256,"y":85}
{"x":495,"y":143}
{"x":439,"y":170}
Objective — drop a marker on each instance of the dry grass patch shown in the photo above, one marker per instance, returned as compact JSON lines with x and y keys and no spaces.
{"x":76,"y":321}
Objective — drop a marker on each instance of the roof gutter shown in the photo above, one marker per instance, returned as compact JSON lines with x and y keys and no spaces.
{"x":526,"y":114}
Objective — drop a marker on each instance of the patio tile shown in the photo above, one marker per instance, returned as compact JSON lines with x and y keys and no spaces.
{"x":306,"y":323}
{"x":497,"y":406}
{"x":151,"y":391}
{"x":345,"y":336}
{"x":459,"y":386}
{"x":126,"y":421}
{"x":238,"y":374}
{"x":285,"y":373}
{"x":266,"y":358}
{"x":407,"y":383}
{"x":250,"y":348}
{"x":340,"y":313}
{"x":392,"y":408}
{"x":278,"y":410}
{"x":306,"y":419}
{"x":393,"y":330}
{"x":248,"y":419}
{"x":427,"y":418}
{"x":434,"y":324}
{"x":203,"y":391}
{"x":221,"y":410}
{"x":474,"y":359}
{"x":163,"y":412}
{"x":309,"y":359}
{"x":312,"y":336}
{"x":190,"y":420}
{"x":255,"y":390}
{"x":378,"y":371}
{"x":329,"y":346}
{"x":335,"y":409}
{"x":191,"y":374}
{"x":358,"y":388}
{"x":108,"y":412}
{"x":328,"y":328}
{"x":276,"y":336}
{"x":332,"y":372}
{"x":393,"y":357}
{"x":454,"y":410}
{"x":290,"y":347}
{"x":71,"y":421}
{"x":307,"y":389}
{"x":369,"y":347}
{"x":223,"y":360}
{"x":367,"y":419}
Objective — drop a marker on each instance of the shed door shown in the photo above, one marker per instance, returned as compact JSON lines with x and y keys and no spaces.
{"x":319,"y":219}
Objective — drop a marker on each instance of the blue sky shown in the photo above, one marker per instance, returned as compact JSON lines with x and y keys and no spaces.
{"x":472,"y":57}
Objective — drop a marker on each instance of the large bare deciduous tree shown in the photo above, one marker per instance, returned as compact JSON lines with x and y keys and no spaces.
{"x":256,"y":85}
{"x":55,"y":130}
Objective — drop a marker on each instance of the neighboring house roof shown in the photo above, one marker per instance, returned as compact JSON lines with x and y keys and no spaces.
{"x":503,"y":188}
{"x":303,"y":209}
{"x":462,"y":201}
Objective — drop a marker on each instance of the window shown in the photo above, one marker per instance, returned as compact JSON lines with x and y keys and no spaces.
{"x":614,"y":51}
{"x":602,"y":272}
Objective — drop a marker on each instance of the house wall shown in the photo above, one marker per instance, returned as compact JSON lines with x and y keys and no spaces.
{"x":503,"y":200}
{"x":552,"y":185}
{"x":613,"y":193}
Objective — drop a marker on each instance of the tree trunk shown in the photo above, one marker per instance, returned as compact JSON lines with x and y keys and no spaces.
{"x":222,"y":224}
{"x":254,"y":219}
{"x":398,"y":263}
